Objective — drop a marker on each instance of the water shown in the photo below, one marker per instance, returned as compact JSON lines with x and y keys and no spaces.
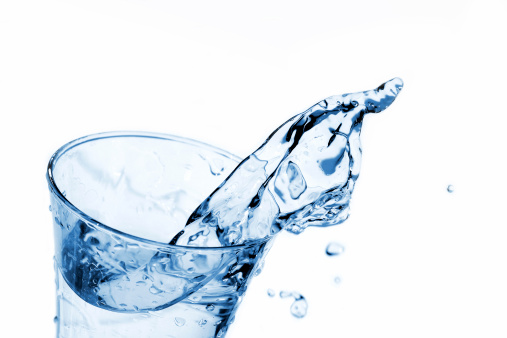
{"x":450,"y":188}
{"x":334,"y":249}
{"x":299,"y":307}
{"x":303,"y":175}
{"x":99,"y":285}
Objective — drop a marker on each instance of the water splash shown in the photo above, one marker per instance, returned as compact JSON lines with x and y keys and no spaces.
{"x":303,"y":175}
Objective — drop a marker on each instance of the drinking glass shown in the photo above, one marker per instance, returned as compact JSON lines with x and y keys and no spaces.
{"x":117,"y":200}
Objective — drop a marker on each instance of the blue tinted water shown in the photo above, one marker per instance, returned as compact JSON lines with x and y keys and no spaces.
{"x":303,"y":175}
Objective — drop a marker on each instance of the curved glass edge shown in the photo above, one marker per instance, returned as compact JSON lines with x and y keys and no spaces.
{"x":98,"y":225}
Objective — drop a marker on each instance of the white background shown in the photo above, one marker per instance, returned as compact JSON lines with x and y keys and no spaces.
{"x":419,"y":261}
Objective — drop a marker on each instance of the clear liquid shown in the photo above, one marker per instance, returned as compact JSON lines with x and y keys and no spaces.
{"x":110,"y":287}
{"x":303,"y":175}
{"x":78,"y":318}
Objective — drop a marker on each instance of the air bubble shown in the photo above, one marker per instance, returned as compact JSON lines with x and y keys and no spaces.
{"x":450,"y":188}
{"x":179,"y":321}
{"x":334,"y":249}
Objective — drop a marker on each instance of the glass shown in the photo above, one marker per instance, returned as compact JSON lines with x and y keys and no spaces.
{"x":117,"y":200}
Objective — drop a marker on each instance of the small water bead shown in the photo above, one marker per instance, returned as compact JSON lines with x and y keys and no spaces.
{"x":271,"y":293}
{"x":154,"y":290}
{"x":300,"y":307}
{"x":179,"y":321}
{"x":55,"y":319}
{"x":195,"y":298}
{"x":334,"y":249}
{"x":50,"y":209}
{"x":285,"y":294}
{"x":450,"y":188}
{"x":202,"y":322}
{"x":337,"y":280}
{"x":210,"y":307}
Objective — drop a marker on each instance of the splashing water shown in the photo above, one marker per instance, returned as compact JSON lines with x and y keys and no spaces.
{"x":302,"y":175}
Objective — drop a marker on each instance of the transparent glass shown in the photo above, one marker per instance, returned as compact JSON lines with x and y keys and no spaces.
{"x":117,"y":200}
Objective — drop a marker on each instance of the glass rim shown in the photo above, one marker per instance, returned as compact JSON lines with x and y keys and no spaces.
{"x":99,"y":225}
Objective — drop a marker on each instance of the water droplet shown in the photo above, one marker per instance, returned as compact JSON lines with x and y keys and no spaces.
{"x":55,"y":319}
{"x":450,"y":188}
{"x":50,"y":209}
{"x":299,"y":308}
{"x":210,"y":307}
{"x":195,"y":298}
{"x":334,"y":249}
{"x":271,"y":293}
{"x":202,"y":322}
{"x":154,"y":290}
{"x":337,"y":280}
{"x":136,"y":308}
{"x":123,"y":305}
{"x":179,"y":321}
{"x":285,"y":294}
{"x":220,"y":333}
{"x":216,"y":166}
{"x":133,"y":246}
{"x":139,"y":283}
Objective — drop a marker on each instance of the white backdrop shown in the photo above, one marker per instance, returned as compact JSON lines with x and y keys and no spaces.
{"x":419,"y":261}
